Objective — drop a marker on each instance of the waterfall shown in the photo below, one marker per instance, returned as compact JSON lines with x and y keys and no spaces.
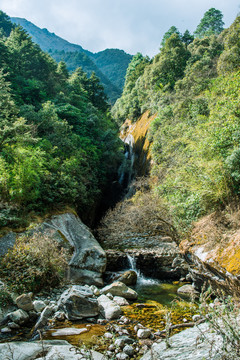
{"x":141,"y":279}
{"x":129,"y":157}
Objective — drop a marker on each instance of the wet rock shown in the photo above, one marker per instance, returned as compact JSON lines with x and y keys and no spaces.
{"x":19,"y":316}
{"x":39,"y":305}
{"x":108,"y":308}
{"x":143,"y":333}
{"x":119,"y":289}
{"x":128,"y":278}
{"x":24,"y":302}
{"x":68,"y":331}
{"x":78,"y":303}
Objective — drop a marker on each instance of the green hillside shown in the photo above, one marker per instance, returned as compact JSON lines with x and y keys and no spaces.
{"x":109,"y":65}
{"x":192,"y":86}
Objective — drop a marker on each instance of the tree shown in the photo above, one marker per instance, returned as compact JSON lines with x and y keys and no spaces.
{"x":168,"y":34}
{"x":187,"y":38}
{"x":211,"y":24}
{"x":6,"y":25}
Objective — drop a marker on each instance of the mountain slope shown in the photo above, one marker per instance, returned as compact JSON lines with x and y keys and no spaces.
{"x":113,"y":63}
{"x":109,"y":65}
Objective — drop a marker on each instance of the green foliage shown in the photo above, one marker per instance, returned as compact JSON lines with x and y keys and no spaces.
{"x":33,"y":264}
{"x":58,"y":142}
{"x":229,"y":59}
{"x":194,"y":89}
{"x":169,"y":33}
{"x":6,"y":25}
{"x":5,"y":297}
{"x":210,"y":24}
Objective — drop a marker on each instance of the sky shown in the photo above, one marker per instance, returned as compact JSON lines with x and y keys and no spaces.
{"x":131,"y":25}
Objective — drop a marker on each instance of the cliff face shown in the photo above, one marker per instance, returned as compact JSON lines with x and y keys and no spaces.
{"x":135,"y":136}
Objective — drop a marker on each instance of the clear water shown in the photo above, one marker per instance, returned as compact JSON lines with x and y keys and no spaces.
{"x":153,"y":290}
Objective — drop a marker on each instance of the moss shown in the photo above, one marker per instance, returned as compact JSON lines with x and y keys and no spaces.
{"x":152,"y":314}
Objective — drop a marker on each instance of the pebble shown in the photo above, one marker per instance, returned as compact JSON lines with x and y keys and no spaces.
{"x":6,"y":330}
{"x":108,"y":335}
{"x":122,"y":356}
{"x":128,"y":349}
{"x":143,"y":333}
{"x":119,"y":343}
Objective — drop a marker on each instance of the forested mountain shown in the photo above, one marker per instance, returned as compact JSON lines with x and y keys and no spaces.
{"x":192,"y":85}
{"x":109,"y":65}
{"x":58,"y":143}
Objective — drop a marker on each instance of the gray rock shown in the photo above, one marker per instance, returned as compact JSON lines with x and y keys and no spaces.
{"x":13,"y":325}
{"x":108,"y":308}
{"x":54,"y":350}
{"x":39,"y":305}
{"x":188,"y":345}
{"x":121,"y":301}
{"x":108,"y":335}
{"x":6,"y":330}
{"x":19,"y":316}
{"x":119,"y":289}
{"x":44,"y":317}
{"x":122,"y":356}
{"x":60,"y":316}
{"x":196,"y":317}
{"x":24,"y":302}
{"x":7,"y":242}
{"x":187,"y":290}
{"x":128,"y":349}
{"x":77,"y":302}
{"x":89,"y":259}
{"x":143,"y":333}
{"x":119,"y":343}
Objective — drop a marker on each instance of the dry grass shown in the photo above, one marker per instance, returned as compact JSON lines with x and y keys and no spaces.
{"x":219,"y":235}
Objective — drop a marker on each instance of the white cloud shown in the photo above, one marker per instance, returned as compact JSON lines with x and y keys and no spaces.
{"x":132,"y":25}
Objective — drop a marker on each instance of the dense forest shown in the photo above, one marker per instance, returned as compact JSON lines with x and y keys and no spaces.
{"x":193,"y":86}
{"x":58,"y":143}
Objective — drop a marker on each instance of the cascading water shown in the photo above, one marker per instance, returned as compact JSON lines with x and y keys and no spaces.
{"x":141,"y":279}
{"x":151,"y":289}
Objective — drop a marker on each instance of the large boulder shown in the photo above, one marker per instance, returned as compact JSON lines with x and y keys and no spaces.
{"x":78,"y":303}
{"x":45,"y":350}
{"x":88,"y":261}
{"x":119,"y":289}
{"x":24,"y":302}
{"x":196,"y":343}
{"x":109,"y":308}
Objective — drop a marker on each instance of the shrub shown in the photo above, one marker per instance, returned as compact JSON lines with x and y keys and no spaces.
{"x":34,"y":263}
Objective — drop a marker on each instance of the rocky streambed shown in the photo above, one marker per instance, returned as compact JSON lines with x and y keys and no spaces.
{"x":115,"y":321}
